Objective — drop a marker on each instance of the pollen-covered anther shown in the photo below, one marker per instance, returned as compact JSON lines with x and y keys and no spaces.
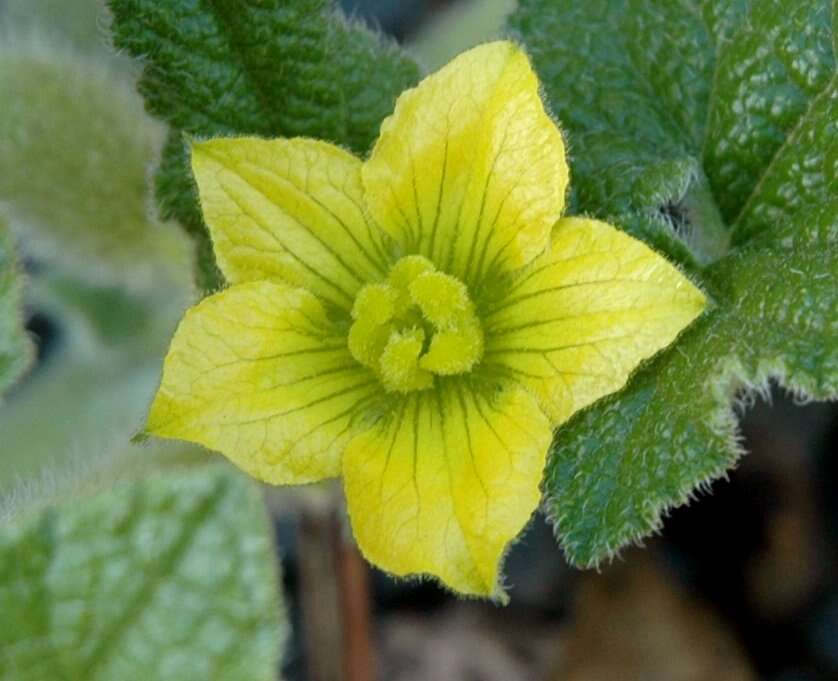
{"x":455,"y":350}
{"x":375,"y":303}
{"x":443,"y":299}
{"x":400,"y":369}
{"x":418,"y":324}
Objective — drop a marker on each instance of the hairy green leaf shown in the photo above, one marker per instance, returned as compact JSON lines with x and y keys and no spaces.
{"x":270,"y":68}
{"x":802,"y":172}
{"x":74,"y":148}
{"x":15,"y":348}
{"x":715,"y":119}
{"x":171,"y":578}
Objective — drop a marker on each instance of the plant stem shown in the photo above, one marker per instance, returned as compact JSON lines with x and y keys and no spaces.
{"x":319,"y":598}
{"x":710,"y":239}
{"x":335,"y":600}
{"x":353,"y":580}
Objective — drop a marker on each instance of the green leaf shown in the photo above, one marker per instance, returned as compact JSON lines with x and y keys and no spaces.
{"x":270,"y":68}
{"x":717,"y":118}
{"x":74,"y":148}
{"x":766,"y":78}
{"x":802,"y":172}
{"x":171,"y":578}
{"x":15,"y":347}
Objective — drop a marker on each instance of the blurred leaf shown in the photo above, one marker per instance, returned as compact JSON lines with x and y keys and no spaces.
{"x":456,"y":27}
{"x":270,"y":68}
{"x":74,"y":147}
{"x":96,"y":379}
{"x":93,"y":405}
{"x":113,"y":320}
{"x":75,"y":21}
{"x":171,"y":578}
{"x":15,"y":348}
{"x":677,"y":114}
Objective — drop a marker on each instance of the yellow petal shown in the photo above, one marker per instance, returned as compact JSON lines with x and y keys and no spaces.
{"x":576,"y":323}
{"x":469,"y":170}
{"x":444,"y":483}
{"x":257,"y":373}
{"x":288,"y":209}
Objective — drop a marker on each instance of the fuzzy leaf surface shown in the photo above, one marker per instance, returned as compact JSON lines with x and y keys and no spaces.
{"x":163,"y":579}
{"x":769,"y":77}
{"x":75,"y":144}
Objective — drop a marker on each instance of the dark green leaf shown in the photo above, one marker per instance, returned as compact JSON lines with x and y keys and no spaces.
{"x":766,"y":77}
{"x":634,"y":114}
{"x":803,"y":171}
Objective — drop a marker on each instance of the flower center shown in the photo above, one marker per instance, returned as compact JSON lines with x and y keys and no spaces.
{"x":418,"y":323}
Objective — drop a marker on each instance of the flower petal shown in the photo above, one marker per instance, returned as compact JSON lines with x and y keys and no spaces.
{"x":258,"y":373}
{"x":576,"y":323}
{"x":444,"y":483}
{"x":469,"y":170}
{"x":288,"y":209}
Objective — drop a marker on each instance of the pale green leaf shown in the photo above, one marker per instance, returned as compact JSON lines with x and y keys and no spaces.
{"x":15,"y":347}
{"x":74,"y":21}
{"x":457,"y":27}
{"x":74,"y":149}
{"x":168,"y":579}
{"x":100,"y":366}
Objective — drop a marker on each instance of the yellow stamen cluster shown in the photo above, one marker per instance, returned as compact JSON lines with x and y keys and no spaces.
{"x":418,"y":323}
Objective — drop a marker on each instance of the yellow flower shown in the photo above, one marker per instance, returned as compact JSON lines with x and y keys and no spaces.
{"x":418,"y":323}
